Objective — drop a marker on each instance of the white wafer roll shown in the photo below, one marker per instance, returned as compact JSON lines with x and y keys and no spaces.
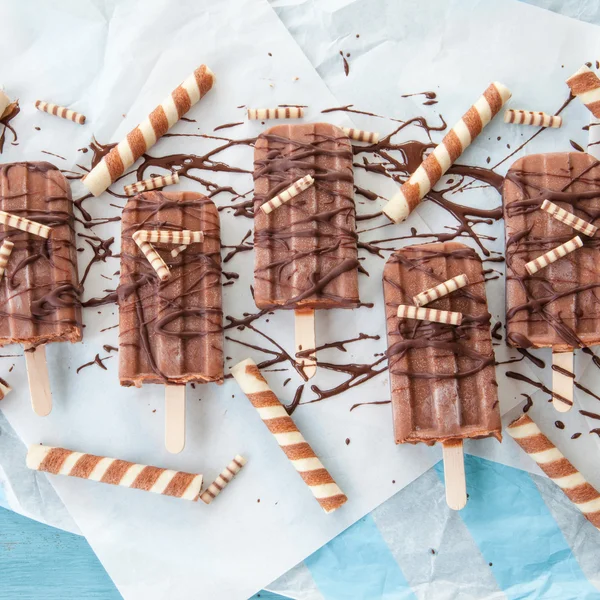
{"x":60,"y":111}
{"x":225,"y":477}
{"x":167,"y":236}
{"x":453,"y":145}
{"x":296,"y":188}
{"x":60,"y":461}
{"x":585,"y":85}
{"x":361,"y":136}
{"x":154,"y":258}
{"x":177,"y":251}
{"x":5,"y":252}
{"x":528,"y":435}
{"x":151,"y":184}
{"x":564,"y":216}
{"x":262,"y":114}
{"x":289,"y":438}
{"x":441,"y":290}
{"x":528,"y":117}
{"x":4,"y":388}
{"x":429,"y":314}
{"x":541,"y":262}
{"x":145,"y":135}
{"x":25,"y":225}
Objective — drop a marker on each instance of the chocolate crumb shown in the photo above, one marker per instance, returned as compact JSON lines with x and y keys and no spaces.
{"x":154,"y":411}
{"x":258,"y":501}
{"x":432,"y":551}
{"x":347,"y":441}
{"x":559,"y":424}
{"x":576,"y":435}
{"x":37,"y":128}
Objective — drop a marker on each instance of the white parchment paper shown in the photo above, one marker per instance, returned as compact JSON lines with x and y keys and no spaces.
{"x":114,"y":63}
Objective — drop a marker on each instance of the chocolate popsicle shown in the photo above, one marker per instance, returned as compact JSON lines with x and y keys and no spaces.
{"x":171,"y":331}
{"x":306,"y":254}
{"x":39,"y":291}
{"x":442,"y":376}
{"x":557,"y":306}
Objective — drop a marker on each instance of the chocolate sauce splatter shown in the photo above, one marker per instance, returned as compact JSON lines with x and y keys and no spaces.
{"x":97,"y":361}
{"x":346,"y":65}
{"x":528,"y":403}
{"x":575,"y":436}
{"x":430,"y":97}
{"x":559,"y":424}
{"x":12,"y":110}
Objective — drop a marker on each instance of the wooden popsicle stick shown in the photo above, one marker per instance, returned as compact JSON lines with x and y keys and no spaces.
{"x":39,"y":383}
{"x":306,"y":339}
{"x":175,"y":418}
{"x":454,"y":474}
{"x":562,"y":384}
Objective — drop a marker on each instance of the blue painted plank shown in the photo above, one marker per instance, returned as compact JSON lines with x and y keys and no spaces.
{"x":517,"y":535}
{"x":348,"y":566}
{"x":38,"y":561}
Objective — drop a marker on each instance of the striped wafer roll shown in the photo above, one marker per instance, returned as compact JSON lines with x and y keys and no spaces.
{"x":145,"y":135}
{"x":528,"y":117}
{"x":361,"y":136}
{"x":528,"y":435}
{"x":225,"y":477}
{"x":177,"y":251}
{"x":296,"y":188}
{"x":60,"y":461}
{"x":291,"y":441}
{"x":151,"y":184}
{"x":443,"y":289}
{"x":60,"y":111}
{"x":453,"y":145}
{"x":262,"y":114}
{"x":429,"y":314}
{"x":564,"y":216}
{"x":166,"y":236}
{"x":541,"y":262}
{"x":4,"y":388}
{"x":24,"y":225}
{"x":154,"y":258}
{"x":585,"y":85}
{"x":5,"y":252}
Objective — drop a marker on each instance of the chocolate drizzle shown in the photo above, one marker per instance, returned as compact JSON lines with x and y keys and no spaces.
{"x":39,"y":293}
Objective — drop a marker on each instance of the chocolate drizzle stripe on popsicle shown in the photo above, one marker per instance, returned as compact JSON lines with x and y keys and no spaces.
{"x":528,"y":435}
{"x":557,"y":307}
{"x":39,"y":294}
{"x":289,"y":438}
{"x":306,"y":250}
{"x":442,"y":377}
{"x":171,"y":332}
{"x":60,"y":461}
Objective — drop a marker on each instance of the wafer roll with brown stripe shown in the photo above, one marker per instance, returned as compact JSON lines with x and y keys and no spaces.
{"x":296,"y":188}
{"x":177,"y":251}
{"x":528,"y":435}
{"x":564,"y":216}
{"x":441,"y":290}
{"x":453,"y":145}
{"x":24,"y":225}
{"x":361,"y":136}
{"x":291,"y":441}
{"x":60,"y":461}
{"x":154,"y":258}
{"x":168,"y":236}
{"x":541,"y":262}
{"x":429,"y":314}
{"x":528,"y":117}
{"x":4,"y":388}
{"x":145,"y":135}
{"x":585,"y":85}
{"x":5,"y":252}
{"x":151,"y":184}
{"x":60,"y":111}
{"x":224,"y":478}
{"x":262,"y":114}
